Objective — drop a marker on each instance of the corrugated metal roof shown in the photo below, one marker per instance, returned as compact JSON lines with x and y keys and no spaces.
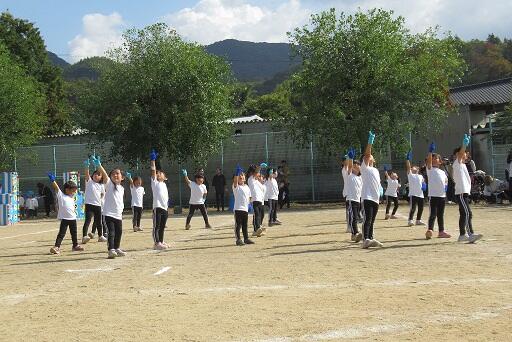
{"x":73,"y":133}
{"x":246,"y":119}
{"x":492,"y":92}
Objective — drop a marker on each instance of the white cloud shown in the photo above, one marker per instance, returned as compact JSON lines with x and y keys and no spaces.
{"x":100,"y":32}
{"x":213,"y":20}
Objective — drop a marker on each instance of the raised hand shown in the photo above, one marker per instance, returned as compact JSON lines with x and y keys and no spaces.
{"x":96,"y":160}
{"x":371,"y":137}
{"x":239,"y":170}
{"x":351,"y":154}
{"x":153,"y":155}
{"x":87,"y":163}
{"x":263,"y":165}
{"x":128,"y":175}
{"x":184,"y":172}
{"x":432,"y":147}
{"x":386,"y":168}
{"x":466,"y":140}
{"x":51,"y":176}
{"x":408,"y":156}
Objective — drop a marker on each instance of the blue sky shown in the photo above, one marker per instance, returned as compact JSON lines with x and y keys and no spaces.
{"x":76,"y":29}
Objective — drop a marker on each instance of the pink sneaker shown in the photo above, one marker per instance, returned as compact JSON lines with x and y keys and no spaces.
{"x":165,"y":244}
{"x":443,"y":235}
{"x":159,"y":247}
{"x":55,"y":250}
{"x":428,"y":234}
{"x":77,"y":248}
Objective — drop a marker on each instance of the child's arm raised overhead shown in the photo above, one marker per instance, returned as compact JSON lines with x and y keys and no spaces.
{"x":462,"y":151}
{"x":53,"y":183}
{"x":185,"y":176}
{"x":351,"y":154}
{"x":238,"y":172}
{"x":408,"y":158}
{"x":431,"y":149}
{"x":129,"y":176}
{"x":97,"y":162}
{"x":368,"y":149}
{"x":386,"y":171}
{"x":152,"y":157}
{"x":87,"y":174}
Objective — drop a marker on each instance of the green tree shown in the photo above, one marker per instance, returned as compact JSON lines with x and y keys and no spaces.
{"x":21,"y":108}
{"x":161,"y":92}
{"x":367,"y":71}
{"x":503,"y":125}
{"x":486,"y":60}
{"x":27,"y":48}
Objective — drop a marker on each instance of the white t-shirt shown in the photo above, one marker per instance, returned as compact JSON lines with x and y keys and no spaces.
{"x":93,"y":192}
{"x":257,"y":190}
{"x":371,"y":183}
{"x":32,"y":203}
{"x":354,"y":186}
{"x":21,"y":201}
{"x":137,"y":193}
{"x":437,"y":182}
{"x":344,"y":174}
{"x":242,"y":195}
{"x":114,"y":200}
{"x":196,"y":193}
{"x":66,"y":206}
{"x":160,"y":194}
{"x":461,"y":178}
{"x":392,"y":189}
{"x":415,"y":184}
{"x":271,"y":189}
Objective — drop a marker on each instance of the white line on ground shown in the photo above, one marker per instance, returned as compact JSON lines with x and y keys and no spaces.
{"x":91,"y":270}
{"x":26,"y":243}
{"x":34,"y":233}
{"x":162,"y":270}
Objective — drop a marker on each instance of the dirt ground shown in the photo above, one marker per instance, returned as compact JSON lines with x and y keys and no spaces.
{"x":303,"y":281}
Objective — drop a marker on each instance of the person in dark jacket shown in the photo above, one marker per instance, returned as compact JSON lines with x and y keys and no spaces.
{"x":47,"y":194}
{"x":219,"y":183}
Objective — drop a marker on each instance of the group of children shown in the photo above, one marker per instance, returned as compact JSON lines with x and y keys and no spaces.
{"x":362,"y":192}
{"x":104,"y":204}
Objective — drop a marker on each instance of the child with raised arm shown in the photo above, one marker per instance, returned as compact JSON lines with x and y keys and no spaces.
{"x":255,"y":183}
{"x":137,"y":192}
{"x":113,"y":207}
{"x":242,"y":195}
{"x":66,"y":214}
{"x":462,"y":192}
{"x":416,"y":185}
{"x":344,"y":175}
{"x":391,"y":192}
{"x":354,"y":186}
{"x":93,"y":189}
{"x":370,"y":194}
{"x":160,"y":203}
{"x":272,"y":196}
{"x":198,"y":195}
{"x":437,"y":186}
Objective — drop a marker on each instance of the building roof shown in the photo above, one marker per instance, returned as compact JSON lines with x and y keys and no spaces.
{"x":246,"y":119}
{"x":492,"y":92}
{"x":75,"y":132}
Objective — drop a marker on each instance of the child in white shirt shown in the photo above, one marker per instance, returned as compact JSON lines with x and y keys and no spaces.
{"x":137,"y":192}
{"x":437,"y":185}
{"x":354,"y":186}
{"x":272,"y":197}
{"x":160,"y":203}
{"x":242,"y":195}
{"x":255,"y":182}
{"x":94,"y":187}
{"x":66,"y":214}
{"x":198,"y":195}
{"x":391,"y":192}
{"x":416,"y":197}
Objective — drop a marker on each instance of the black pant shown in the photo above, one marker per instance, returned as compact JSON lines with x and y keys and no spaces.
{"x":90,"y":211}
{"x":192,"y":208}
{"x":465,"y":213}
{"x":272,"y":210}
{"x":137,"y":215}
{"x":115,"y":231}
{"x":437,"y":205}
{"x":64,"y":224}
{"x":370,"y":209}
{"x":241,"y":219}
{"x":219,"y":199}
{"x":416,"y":202}
{"x":352,"y":210}
{"x":395,"y":204}
{"x":159,"y":221}
{"x":257,"y":217}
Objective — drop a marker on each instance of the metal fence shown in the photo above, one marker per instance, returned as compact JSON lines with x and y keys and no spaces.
{"x":313,"y":176}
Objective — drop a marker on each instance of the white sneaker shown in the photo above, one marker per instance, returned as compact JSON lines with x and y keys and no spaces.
{"x":101,"y":238}
{"x":366,"y":243}
{"x":112,"y":254}
{"x":375,"y":243}
{"x":120,"y":252}
{"x":85,"y":239}
{"x":410,"y":223}
{"x":463,"y":238}
{"x":474,"y":238}
{"x":159,"y":247}
{"x":420,"y":223}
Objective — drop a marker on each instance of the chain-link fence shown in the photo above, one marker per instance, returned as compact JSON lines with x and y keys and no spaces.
{"x":313,"y":176}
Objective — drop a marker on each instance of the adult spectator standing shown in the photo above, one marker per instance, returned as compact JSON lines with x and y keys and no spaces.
{"x":219,"y":183}
{"x":285,"y":174}
{"x":47,"y":194}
